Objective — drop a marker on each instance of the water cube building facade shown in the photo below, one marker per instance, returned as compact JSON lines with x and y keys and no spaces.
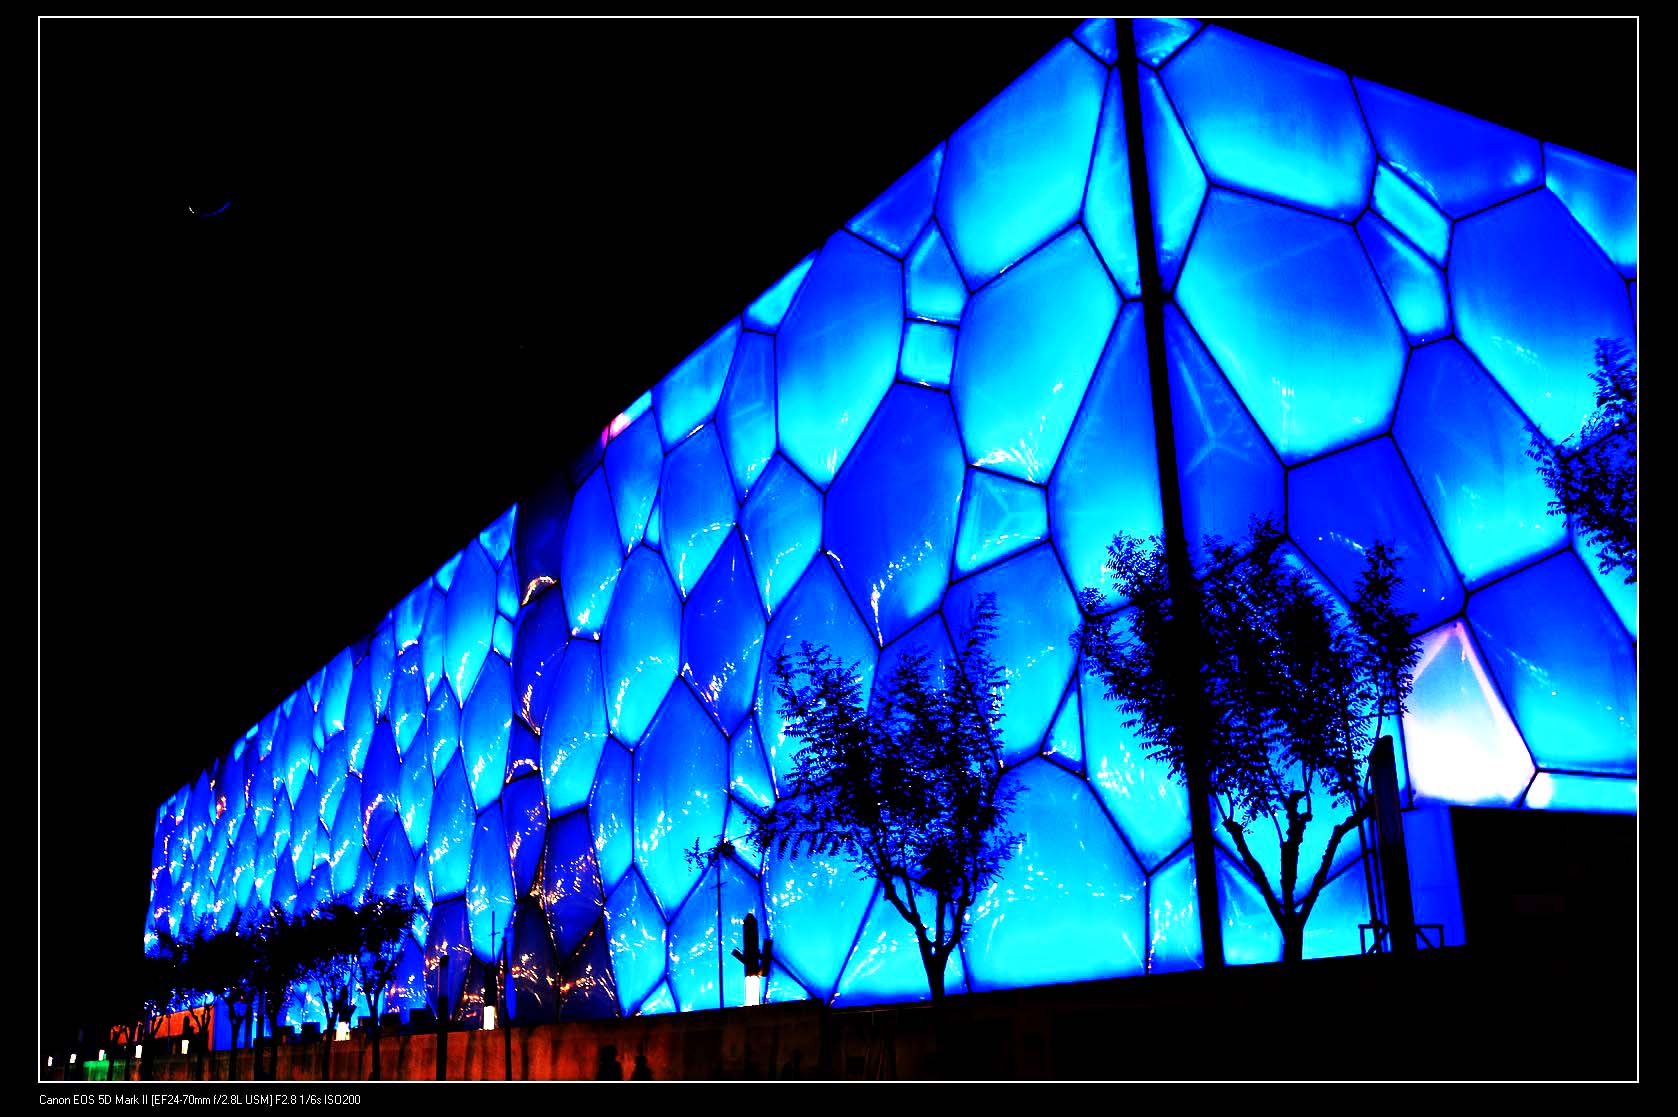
{"x":1369,"y":298}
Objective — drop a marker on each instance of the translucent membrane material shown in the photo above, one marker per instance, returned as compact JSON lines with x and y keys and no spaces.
{"x":571,"y":891}
{"x":1602,"y":197}
{"x":1157,"y":39}
{"x":886,"y":966}
{"x":928,"y":354}
{"x":1100,"y":38}
{"x":749,"y":778}
{"x":1621,"y":595}
{"x":1273,"y":123}
{"x":1569,"y":673}
{"x":999,"y":516}
{"x":609,"y":814}
{"x":893,"y":220}
{"x":525,"y":815}
{"x":1459,"y":741}
{"x":1014,"y":174}
{"x":681,"y":773}
{"x":688,"y":395}
{"x":933,"y":287}
{"x":815,"y":905}
{"x":637,"y":935}
{"x":1461,"y":163}
{"x":722,"y":636}
{"x":1173,"y":919}
{"x":641,"y":648}
{"x":1556,"y":791}
{"x":489,"y":895}
{"x":1068,"y":904}
{"x":1465,"y":444}
{"x":1414,"y":286}
{"x":770,"y":307}
{"x":633,"y":462}
{"x":697,"y":506}
{"x":836,"y":353}
{"x":1306,"y":337}
{"x":1531,"y":295}
{"x":1176,"y":184}
{"x":573,"y":728}
{"x":449,"y":844}
{"x":894,"y":552}
{"x":1065,"y":742}
{"x":1410,"y":212}
{"x":592,"y":557}
{"x":486,"y":727}
{"x":1108,"y":213}
{"x":781,"y":524}
{"x":1150,"y":805}
{"x":1029,"y":345}
{"x":746,"y":415}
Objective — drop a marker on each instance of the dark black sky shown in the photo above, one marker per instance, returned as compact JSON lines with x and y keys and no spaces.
{"x":455,"y":250}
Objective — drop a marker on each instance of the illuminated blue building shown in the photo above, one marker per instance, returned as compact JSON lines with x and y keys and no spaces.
{"x":1369,"y":298}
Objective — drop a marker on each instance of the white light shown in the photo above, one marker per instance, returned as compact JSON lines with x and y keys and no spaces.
{"x":341,"y":1031}
{"x":49,"y":1060}
{"x":101,"y":1054}
{"x":184,"y":1044}
{"x":72,"y":1056}
{"x":489,"y":1018}
{"x":139,"y":1050}
{"x":754,"y":990}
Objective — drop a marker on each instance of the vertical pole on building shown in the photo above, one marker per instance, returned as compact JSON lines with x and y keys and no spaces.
{"x":1184,"y":588}
{"x":1394,"y":862}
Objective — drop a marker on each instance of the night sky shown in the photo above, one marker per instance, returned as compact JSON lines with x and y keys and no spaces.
{"x":454,"y":250}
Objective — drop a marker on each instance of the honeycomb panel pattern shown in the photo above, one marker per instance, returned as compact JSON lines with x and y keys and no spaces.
{"x":951,"y":397}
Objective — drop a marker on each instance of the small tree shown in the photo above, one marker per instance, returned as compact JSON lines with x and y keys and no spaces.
{"x":330,"y":952}
{"x":1292,"y":691}
{"x":381,"y":934}
{"x":1593,"y":474}
{"x":910,"y":789}
{"x":277,"y":957}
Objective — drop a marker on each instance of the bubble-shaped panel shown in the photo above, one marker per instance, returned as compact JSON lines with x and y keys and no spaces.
{"x":1414,"y":286}
{"x":1273,"y":123}
{"x":696,"y":506}
{"x":815,"y":905}
{"x":441,"y":735}
{"x":1602,"y":197}
{"x":722,"y":636}
{"x":782,"y":526}
{"x":769,"y":308}
{"x":893,"y":219}
{"x":1460,"y":744}
{"x":681,"y":781}
{"x":746,"y":415}
{"x":1563,"y":661}
{"x":641,"y":648}
{"x":1014,"y":174}
{"x":894,"y":551}
{"x":1306,"y":337}
{"x":1029,"y":345}
{"x":449,"y":845}
{"x":1406,"y":209}
{"x":489,"y":891}
{"x":471,"y":618}
{"x":573,"y":728}
{"x":592,"y":557}
{"x":1107,"y":480}
{"x":637,"y":936}
{"x":609,"y":813}
{"x":525,"y":814}
{"x":407,"y":698}
{"x":836,"y":353}
{"x":571,"y":890}
{"x":633,"y":461}
{"x":749,"y":778}
{"x":1176,"y":183}
{"x":543,"y":631}
{"x":886,"y":966}
{"x":1340,"y":505}
{"x":711,"y":909}
{"x":687,"y":395}
{"x":1069,"y":903}
{"x":929,"y":353}
{"x":1465,"y":444}
{"x":1150,"y":805}
{"x":1531,"y":295}
{"x":932,"y":284}
{"x":539,"y":537}
{"x":999,"y":516}
{"x":485,"y":728}
{"x":1108,"y":213}
{"x":1173,"y":918}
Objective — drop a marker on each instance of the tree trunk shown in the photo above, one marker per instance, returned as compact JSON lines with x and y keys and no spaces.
{"x":1293,"y":940}
{"x":941,"y":1063}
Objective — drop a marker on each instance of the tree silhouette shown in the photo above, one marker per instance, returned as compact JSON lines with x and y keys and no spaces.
{"x":908,"y":789}
{"x":330,"y":948}
{"x":1293,"y":690}
{"x":381,"y":932}
{"x":1592,"y":475}
{"x":278,"y":961}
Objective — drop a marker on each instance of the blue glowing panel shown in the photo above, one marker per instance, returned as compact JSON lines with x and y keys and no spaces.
{"x":592,"y":557}
{"x":380,"y":783}
{"x":497,"y":538}
{"x":609,"y":814}
{"x":636,"y":933}
{"x":432,"y":655}
{"x":818,"y":611}
{"x":722,"y":636}
{"x":1415,"y":287}
{"x":1107,"y":480}
{"x":1339,"y":505}
{"x":929,"y":353}
{"x":654,"y":527}
{"x":334,"y":773}
{"x":999,"y":516}
{"x":836,"y":353}
{"x":1459,"y":742}
{"x":633,"y":461}
{"x":1173,"y":922}
{"x":1100,"y":38}
{"x":574,"y":728}
{"x":485,"y":726}
{"x":1036,"y":614}
{"x":1568,"y":671}
{"x":1604,"y":199}
{"x":1251,"y":936}
{"x":1227,"y":471}
{"x":1273,"y":123}
{"x":1332,"y":930}
{"x":406,"y":710}
{"x":1108,"y":214}
{"x":450,"y":839}
{"x":1621,"y":595}
{"x":1461,"y":163}
{"x":815,"y":905}
{"x":1065,"y":742}
{"x":642,"y":645}
{"x":688,"y":394}
{"x":1465,"y":444}
{"x":886,"y":966}
{"x":471,"y":618}
{"x":694,"y":957}
{"x":539,"y":537}
{"x":697,"y":507}
{"x":1555,"y":791}
{"x":893,"y":219}
{"x":505,"y":635}
{"x":442,"y":729}
{"x":335,"y":687}
{"x":769,"y":308}
{"x":413,"y":799}
{"x":1029,"y":346}
{"x":1014,"y":173}
{"x":749,"y":777}
{"x":525,"y":814}
{"x":894,"y":553}
{"x":1158,"y":39}
{"x":1408,"y":210}
{"x":1531,"y":295}
{"x":782,"y":526}
{"x":933,"y":285}
{"x":1149,"y":804}
{"x":681,"y":781}
{"x":746,"y":415}
{"x":1432,"y":854}
{"x":1306,"y":337}
{"x":1176,"y":184}
{"x":1069,"y":904}
{"x":489,"y":894}
{"x":571,"y":892}
{"x":359,"y":719}
{"x":297,"y":750}
{"x":382,"y":655}
{"x":347,"y":841}
{"x":543,"y":629}
{"x":661,"y":1002}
